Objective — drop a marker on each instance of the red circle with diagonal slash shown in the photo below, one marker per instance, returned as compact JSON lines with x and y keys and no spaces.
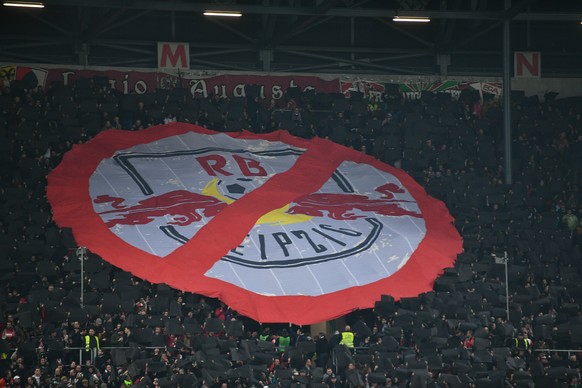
{"x":68,"y":193}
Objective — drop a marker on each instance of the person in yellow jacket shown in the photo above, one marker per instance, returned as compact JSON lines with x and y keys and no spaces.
{"x":92,"y":345}
{"x":126,"y":380}
{"x":347,"y":337}
{"x":284,"y":341}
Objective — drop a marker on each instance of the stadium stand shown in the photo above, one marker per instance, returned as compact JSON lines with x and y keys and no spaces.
{"x":130,"y":332}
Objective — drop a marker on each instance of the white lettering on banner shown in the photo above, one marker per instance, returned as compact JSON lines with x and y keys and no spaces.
{"x":455,"y":94}
{"x":292,"y":84}
{"x":140,"y":87}
{"x":375,"y":96}
{"x":126,"y":84}
{"x":66,"y":75}
{"x":239,"y":90}
{"x":198,"y":87}
{"x":220,"y":91}
{"x":412,"y":95}
{"x":276,"y":92}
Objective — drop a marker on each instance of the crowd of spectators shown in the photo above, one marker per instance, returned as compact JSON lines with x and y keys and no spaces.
{"x":129,"y":332}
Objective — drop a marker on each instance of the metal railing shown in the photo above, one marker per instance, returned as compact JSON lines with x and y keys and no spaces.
{"x":569,"y":351}
{"x":94,"y":350}
{"x":333,"y":353}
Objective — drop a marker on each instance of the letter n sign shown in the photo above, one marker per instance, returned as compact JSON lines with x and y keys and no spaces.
{"x":172,"y":55}
{"x":527,"y":64}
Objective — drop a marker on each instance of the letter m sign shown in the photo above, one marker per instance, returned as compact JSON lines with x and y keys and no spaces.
{"x":172,"y":55}
{"x":527,"y":64}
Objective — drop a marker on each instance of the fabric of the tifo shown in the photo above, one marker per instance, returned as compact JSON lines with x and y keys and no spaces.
{"x":325,"y":229}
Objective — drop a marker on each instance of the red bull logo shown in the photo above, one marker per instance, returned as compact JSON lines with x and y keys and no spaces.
{"x":353,"y":214}
{"x":342,"y":206}
{"x":184,"y":208}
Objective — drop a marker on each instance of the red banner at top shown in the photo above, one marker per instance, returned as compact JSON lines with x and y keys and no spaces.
{"x":141,"y":82}
{"x":264,"y":87}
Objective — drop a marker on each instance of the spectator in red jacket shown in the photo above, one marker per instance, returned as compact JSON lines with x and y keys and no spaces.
{"x":469,"y":341}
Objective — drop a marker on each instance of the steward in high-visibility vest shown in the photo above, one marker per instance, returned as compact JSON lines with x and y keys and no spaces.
{"x":284,"y":341}
{"x":347,"y":337}
{"x":522,"y":342}
{"x":92,"y":341}
{"x":127,"y":381}
{"x":266,"y":335}
{"x":92,"y":346}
